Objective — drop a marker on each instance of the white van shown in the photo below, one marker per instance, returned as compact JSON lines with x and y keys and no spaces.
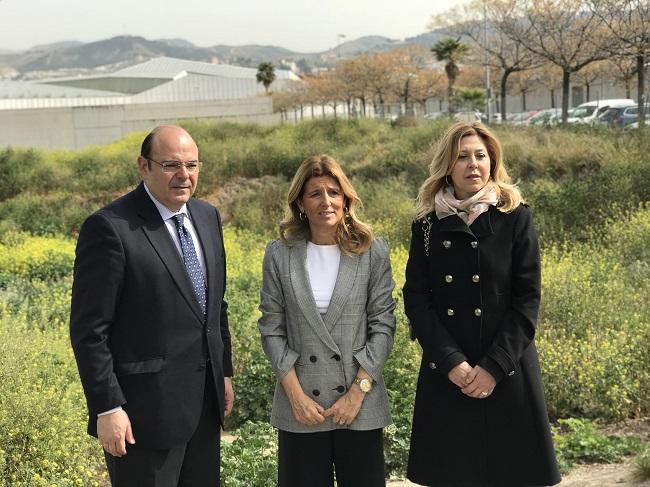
{"x":589,"y":112}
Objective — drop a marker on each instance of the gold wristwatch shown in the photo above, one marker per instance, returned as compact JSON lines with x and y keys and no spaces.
{"x":364,"y":384}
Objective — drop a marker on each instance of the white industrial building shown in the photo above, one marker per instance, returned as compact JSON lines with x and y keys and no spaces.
{"x":80,"y":111}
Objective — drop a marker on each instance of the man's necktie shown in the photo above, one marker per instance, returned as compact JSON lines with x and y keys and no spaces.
{"x":191,"y":260}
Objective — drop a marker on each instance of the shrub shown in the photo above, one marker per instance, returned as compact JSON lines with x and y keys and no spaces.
{"x":643,"y":463}
{"x":250,"y":460}
{"x":579,"y":441}
{"x":49,"y":213}
{"x":44,"y":258}
{"x":42,"y":411}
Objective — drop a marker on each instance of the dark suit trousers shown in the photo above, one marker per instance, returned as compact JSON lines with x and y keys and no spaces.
{"x":193,"y":464}
{"x":309,"y":459}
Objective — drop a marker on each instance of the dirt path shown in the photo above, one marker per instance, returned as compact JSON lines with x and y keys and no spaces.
{"x":615,"y":475}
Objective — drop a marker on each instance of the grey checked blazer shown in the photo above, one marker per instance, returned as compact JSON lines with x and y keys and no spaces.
{"x":326,"y":351}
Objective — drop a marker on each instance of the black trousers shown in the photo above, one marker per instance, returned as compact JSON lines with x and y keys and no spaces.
{"x":193,"y":464}
{"x":311,"y":459}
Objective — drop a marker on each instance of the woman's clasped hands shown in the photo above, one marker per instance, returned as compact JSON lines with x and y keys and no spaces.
{"x":475,"y":381}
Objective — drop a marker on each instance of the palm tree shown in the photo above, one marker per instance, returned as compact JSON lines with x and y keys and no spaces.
{"x":265,"y":74}
{"x":451,"y":51}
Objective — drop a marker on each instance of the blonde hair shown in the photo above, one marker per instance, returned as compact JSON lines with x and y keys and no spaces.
{"x":352,"y":235}
{"x":445,"y":156}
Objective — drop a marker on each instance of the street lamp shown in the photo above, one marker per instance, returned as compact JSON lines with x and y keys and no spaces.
{"x":338,"y":45}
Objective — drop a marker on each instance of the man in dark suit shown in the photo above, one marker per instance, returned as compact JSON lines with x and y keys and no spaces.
{"x":149,"y":326}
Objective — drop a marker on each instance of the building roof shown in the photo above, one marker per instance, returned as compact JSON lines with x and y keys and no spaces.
{"x":162,"y":79}
{"x":167,"y":67}
{"x":28,"y":89}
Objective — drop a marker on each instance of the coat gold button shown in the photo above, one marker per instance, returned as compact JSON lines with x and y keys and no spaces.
{"x":446,"y":244}
{"x":478,"y":312}
{"x":475,"y":278}
{"x":450,"y":312}
{"x":474,"y":244}
{"x":449,"y":278}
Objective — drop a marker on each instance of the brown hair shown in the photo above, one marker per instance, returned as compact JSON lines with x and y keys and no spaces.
{"x":352,"y":235}
{"x":446,"y":155}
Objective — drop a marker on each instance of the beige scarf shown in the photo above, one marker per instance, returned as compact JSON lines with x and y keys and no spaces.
{"x":468,"y":209}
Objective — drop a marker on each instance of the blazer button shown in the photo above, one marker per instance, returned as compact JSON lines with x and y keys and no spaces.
{"x":449,"y":278}
{"x":336,"y":357}
{"x":476,"y":278}
{"x":446,"y":244}
{"x":478,"y":312}
{"x":340,"y":389}
{"x":313,"y":359}
{"x":208,"y":330}
{"x":474,"y":244}
{"x":316,"y":392}
{"x":450,"y":312}
{"x":432,"y":366}
{"x":511,"y":373}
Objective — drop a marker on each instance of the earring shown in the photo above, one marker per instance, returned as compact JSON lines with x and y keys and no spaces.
{"x":302,"y":216}
{"x":447,"y":180}
{"x":347,"y":219}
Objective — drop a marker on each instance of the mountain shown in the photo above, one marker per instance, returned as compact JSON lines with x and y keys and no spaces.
{"x":69,"y":57}
{"x":364,"y":45}
{"x":54,"y":46}
{"x":113,"y":51}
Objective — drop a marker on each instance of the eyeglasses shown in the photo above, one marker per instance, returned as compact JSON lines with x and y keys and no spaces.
{"x":192,"y":167}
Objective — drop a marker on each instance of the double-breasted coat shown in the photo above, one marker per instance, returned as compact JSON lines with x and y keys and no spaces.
{"x":327,"y":351}
{"x":472,"y":294}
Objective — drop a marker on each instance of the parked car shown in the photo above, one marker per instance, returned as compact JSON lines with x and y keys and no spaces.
{"x":590,"y":111}
{"x":468,"y":116}
{"x":434,"y":115}
{"x":622,"y":116}
{"x":522,"y":117}
{"x":549,"y":116}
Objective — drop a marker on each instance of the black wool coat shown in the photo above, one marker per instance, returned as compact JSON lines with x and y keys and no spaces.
{"x":472,"y":293}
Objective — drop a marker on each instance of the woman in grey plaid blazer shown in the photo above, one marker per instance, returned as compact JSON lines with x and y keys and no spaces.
{"x":327,"y":328}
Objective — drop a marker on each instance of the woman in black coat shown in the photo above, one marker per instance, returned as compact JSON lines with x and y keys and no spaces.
{"x":472,"y":295}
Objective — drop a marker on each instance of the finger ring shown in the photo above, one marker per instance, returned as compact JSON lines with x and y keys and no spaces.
{"x":342,"y":421}
{"x":484,"y":393}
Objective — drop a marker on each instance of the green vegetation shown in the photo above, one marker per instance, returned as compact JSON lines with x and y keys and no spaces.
{"x":643,"y":463}
{"x":579,"y":441}
{"x":589,"y":191}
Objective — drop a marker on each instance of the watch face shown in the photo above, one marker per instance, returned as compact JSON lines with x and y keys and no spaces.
{"x":365,"y":385}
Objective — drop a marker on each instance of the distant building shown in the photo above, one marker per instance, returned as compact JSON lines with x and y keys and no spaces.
{"x":75,"y":112}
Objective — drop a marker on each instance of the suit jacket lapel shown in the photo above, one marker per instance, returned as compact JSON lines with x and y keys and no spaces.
{"x":156,"y":232}
{"x":305,"y":296}
{"x":344,"y":283}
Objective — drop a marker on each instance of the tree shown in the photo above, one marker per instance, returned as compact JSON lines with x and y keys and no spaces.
{"x":588,"y":75}
{"x":470,"y":99}
{"x":407,"y":66}
{"x":265,"y":74}
{"x":623,"y":69}
{"x":629,"y":22}
{"x":562,"y":31}
{"x":451,"y":52}
{"x":477,"y":20}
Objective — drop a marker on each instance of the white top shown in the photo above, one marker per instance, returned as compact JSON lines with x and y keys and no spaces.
{"x":323,"y":267}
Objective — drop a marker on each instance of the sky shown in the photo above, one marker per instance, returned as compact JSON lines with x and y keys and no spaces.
{"x":299,"y":25}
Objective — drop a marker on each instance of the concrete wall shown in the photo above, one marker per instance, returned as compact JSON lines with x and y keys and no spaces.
{"x":78,"y":127}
